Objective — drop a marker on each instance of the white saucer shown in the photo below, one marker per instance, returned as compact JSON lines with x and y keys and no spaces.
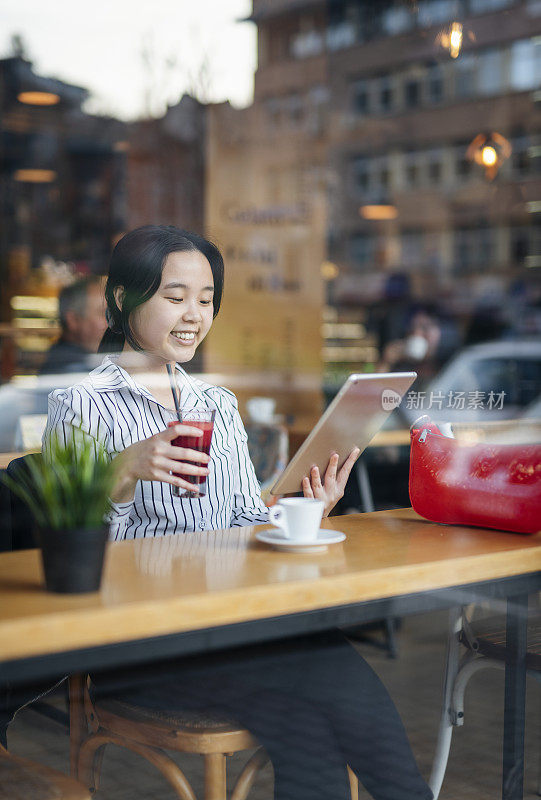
{"x":276,"y":538}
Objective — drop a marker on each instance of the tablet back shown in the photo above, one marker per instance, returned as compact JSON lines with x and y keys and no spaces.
{"x":352,"y":419}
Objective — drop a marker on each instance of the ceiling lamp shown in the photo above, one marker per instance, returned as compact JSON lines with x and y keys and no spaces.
{"x":489,"y":151}
{"x":35,"y":175}
{"x":38,"y":98}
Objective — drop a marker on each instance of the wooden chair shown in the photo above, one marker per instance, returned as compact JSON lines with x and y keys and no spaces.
{"x":485,"y":643}
{"x":22,"y":779}
{"x":151,"y":733}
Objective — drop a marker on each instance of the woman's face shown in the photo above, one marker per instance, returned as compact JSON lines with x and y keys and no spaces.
{"x":176,"y":319}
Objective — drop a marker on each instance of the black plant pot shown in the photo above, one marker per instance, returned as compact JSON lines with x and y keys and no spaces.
{"x":72,"y":559}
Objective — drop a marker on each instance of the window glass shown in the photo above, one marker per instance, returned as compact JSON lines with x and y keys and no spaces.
{"x":396,"y":20}
{"x":362,"y":250}
{"x":490,"y":72}
{"x":412,"y":92}
{"x":433,"y":12}
{"x":465,"y":75}
{"x":482,"y":6}
{"x":360,"y":170}
{"x":525,"y":64}
{"x":385,"y":93}
{"x":435,"y":83}
{"x":361,"y":97}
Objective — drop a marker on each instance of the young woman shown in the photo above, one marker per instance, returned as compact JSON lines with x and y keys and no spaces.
{"x":163,"y":292}
{"x":314,"y":704}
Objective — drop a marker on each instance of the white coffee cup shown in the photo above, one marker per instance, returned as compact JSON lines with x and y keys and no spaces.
{"x":298,"y":517}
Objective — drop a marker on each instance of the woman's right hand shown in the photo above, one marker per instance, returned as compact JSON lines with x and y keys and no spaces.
{"x":154,"y":459}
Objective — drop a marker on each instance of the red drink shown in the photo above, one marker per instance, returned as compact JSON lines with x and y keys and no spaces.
{"x":199,"y":443}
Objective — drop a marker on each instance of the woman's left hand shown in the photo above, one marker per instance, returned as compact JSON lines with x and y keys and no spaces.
{"x":332,"y":488}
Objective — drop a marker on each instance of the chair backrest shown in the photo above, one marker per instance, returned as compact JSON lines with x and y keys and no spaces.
{"x":17,"y":521}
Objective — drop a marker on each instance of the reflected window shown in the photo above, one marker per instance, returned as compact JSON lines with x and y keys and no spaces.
{"x":412,"y":92}
{"x":526,"y":64}
{"x":482,"y":6}
{"x":463,"y":165}
{"x":412,"y":172}
{"x":435,"y":83}
{"x":361,"y":97}
{"x":434,"y":12}
{"x":475,"y":249}
{"x":490,"y":75}
{"x":360,"y":170}
{"x":385,"y":93}
{"x":412,"y":249}
{"x":465,"y":76}
{"x":362,"y":250}
{"x":397,"y":19}
{"x":340,"y":31}
{"x":434,"y":166}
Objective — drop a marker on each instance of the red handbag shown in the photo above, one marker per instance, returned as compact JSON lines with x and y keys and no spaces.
{"x":489,"y":485}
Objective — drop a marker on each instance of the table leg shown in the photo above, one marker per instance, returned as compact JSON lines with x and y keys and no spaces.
{"x":365,"y":490}
{"x":515,"y":698}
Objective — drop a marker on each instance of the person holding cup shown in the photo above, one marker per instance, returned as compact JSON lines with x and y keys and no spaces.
{"x":313,"y":703}
{"x":163,"y":291}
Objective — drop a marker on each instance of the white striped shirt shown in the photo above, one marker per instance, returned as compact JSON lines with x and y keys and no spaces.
{"x":116,"y":411}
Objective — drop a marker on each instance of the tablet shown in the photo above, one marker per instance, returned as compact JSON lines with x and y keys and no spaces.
{"x":352,"y":419}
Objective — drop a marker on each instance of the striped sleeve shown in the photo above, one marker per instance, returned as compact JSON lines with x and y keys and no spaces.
{"x":73,"y":413}
{"x":248,"y":507}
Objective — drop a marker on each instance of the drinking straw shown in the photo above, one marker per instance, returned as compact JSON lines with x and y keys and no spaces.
{"x":174,"y":390}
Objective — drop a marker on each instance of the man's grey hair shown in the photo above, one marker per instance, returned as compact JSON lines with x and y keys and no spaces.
{"x":73,"y":298}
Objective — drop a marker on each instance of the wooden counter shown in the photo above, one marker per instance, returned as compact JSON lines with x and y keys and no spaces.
{"x":154,"y":587}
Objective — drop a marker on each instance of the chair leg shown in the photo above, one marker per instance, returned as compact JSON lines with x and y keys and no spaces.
{"x":90,"y":760}
{"x":92,"y":754}
{"x":249,"y":773}
{"x":353,"y":784}
{"x":78,"y":725}
{"x":215,"y":776}
{"x":445,"y":731}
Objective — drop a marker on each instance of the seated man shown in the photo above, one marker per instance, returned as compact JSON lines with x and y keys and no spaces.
{"x":81,"y":309}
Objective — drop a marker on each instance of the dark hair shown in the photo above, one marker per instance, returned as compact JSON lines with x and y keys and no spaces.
{"x":74,"y":298}
{"x":137,"y":264}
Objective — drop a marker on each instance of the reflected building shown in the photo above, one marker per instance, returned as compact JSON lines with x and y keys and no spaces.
{"x":374,"y":105}
{"x":62,"y":199}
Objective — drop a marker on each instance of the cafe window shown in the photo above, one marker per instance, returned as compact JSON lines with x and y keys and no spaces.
{"x":526,"y":64}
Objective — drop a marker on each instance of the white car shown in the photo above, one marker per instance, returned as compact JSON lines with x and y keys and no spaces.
{"x":483,"y":382}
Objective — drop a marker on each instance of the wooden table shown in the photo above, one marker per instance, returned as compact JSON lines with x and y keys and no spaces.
{"x":202,"y":591}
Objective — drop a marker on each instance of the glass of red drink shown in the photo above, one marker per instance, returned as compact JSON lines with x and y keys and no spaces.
{"x":202,"y":418}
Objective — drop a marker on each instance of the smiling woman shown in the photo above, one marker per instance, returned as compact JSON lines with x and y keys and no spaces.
{"x":163,"y":291}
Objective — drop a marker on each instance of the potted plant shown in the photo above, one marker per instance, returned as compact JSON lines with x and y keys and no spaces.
{"x":67,"y":492}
